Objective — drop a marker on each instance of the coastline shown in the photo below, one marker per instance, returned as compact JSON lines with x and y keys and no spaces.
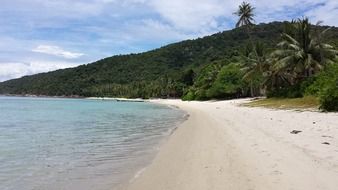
{"x":76,"y":97}
{"x":224,"y":146}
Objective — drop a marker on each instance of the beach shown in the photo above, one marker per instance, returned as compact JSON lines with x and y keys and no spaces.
{"x":223,"y":145}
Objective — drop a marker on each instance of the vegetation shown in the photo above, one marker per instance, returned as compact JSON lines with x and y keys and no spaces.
{"x":325,"y":86}
{"x":307,"y":56}
{"x":289,"y":70}
{"x":218,"y":82}
{"x":299,"y":56}
{"x":246,"y":13}
{"x":279,"y":60}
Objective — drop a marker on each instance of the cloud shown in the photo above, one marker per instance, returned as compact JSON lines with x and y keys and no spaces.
{"x":193,"y":15}
{"x":101,"y":28}
{"x":202,"y":16}
{"x":12,"y":70}
{"x":57,"y":51}
{"x":326,"y":12}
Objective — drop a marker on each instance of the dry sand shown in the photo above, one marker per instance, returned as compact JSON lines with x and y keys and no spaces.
{"x":223,"y":146}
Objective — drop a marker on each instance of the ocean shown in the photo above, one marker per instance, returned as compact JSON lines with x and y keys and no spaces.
{"x":78,"y":144}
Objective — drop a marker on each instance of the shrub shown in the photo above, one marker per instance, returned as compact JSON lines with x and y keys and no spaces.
{"x":325,"y":87}
{"x":201,"y":94}
{"x":294,"y":91}
{"x":190,"y":95}
{"x":228,"y":84}
{"x":329,"y":97}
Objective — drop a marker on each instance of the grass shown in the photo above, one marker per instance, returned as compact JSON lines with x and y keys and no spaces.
{"x":308,"y":102}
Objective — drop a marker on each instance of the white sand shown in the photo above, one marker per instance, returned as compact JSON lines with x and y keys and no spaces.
{"x":226,"y":147}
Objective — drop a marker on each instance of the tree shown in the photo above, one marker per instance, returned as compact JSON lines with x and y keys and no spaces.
{"x":228,"y":84}
{"x":323,"y":48}
{"x":188,"y":77}
{"x":300,"y":54}
{"x":255,"y":64}
{"x":246,"y":15}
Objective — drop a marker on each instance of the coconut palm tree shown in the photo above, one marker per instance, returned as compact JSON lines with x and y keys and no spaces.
{"x":277,"y":78}
{"x":301,"y":55}
{"x":246,"y":15}
{"x":325,"y":50}
{"x":256,"y":63}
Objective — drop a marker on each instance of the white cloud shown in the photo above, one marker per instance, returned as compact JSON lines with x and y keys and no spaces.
{"x":57,"y":51}
{"x":149,"y":31}
{"x":328,"y":13}
{"x":17,"y":69}
{"x":208,"y":15}
{"x":192,"y":15}
{"x":99,"y":28}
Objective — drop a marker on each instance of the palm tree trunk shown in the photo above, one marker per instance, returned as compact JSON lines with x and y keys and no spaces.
{"x":251,"y":90}
{"x":262,"y":90}
{"x":251,"y":41}
{"x":252,"y":94}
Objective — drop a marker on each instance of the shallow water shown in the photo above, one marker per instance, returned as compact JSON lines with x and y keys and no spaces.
{"x":49,"y":143}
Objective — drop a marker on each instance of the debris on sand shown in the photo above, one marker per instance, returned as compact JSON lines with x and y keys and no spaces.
{"x":295,"y":132}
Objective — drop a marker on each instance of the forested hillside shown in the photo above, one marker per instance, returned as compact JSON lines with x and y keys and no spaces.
{"x":165,"y":72}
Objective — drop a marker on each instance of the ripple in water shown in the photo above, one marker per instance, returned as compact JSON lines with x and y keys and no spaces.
{"x":77,"y":144}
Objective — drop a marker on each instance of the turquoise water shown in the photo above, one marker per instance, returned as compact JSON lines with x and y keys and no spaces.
{"x":77,"y":144}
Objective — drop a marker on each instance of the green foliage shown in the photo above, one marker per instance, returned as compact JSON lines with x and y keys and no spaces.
{"x":300,"y":55}
{"x":245,"y":13}
{"x":228,"y":84}
{"x":188,"y":77}
{"x":325,"y":87}
{"x":203,"y":82}
{"x":255,"y":64}
{"x":190,"y":95}
{"x":292,"y":91}
{"x":217,"y":82}
{"x":329,"y":98}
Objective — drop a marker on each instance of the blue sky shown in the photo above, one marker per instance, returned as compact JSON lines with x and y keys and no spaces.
{"x":44,"y":35}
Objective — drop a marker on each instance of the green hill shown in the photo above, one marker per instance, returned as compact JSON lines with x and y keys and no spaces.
{"x":163,"y":72}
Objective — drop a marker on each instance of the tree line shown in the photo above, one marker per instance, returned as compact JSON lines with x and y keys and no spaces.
{"x":300,"y":61}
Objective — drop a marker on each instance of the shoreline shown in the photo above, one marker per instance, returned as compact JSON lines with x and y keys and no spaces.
{"x":224,"y":146}
{"x":157,"y":147}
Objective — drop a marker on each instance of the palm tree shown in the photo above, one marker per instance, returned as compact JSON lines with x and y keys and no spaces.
{"x":245,"y":13}
{"x":277,"y":78}
{"x":300,"y":54}
{"x":256,"y":63}
{"x":323,"y":48}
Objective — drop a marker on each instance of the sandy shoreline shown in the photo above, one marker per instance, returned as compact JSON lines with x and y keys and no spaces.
{"x":224,"y":146}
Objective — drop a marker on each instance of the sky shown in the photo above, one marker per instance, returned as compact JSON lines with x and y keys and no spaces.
{"x":44,"y":35}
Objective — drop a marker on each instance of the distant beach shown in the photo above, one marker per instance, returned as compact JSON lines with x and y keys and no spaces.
{"x":224,"y":145}
{"x":118,"y":99}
